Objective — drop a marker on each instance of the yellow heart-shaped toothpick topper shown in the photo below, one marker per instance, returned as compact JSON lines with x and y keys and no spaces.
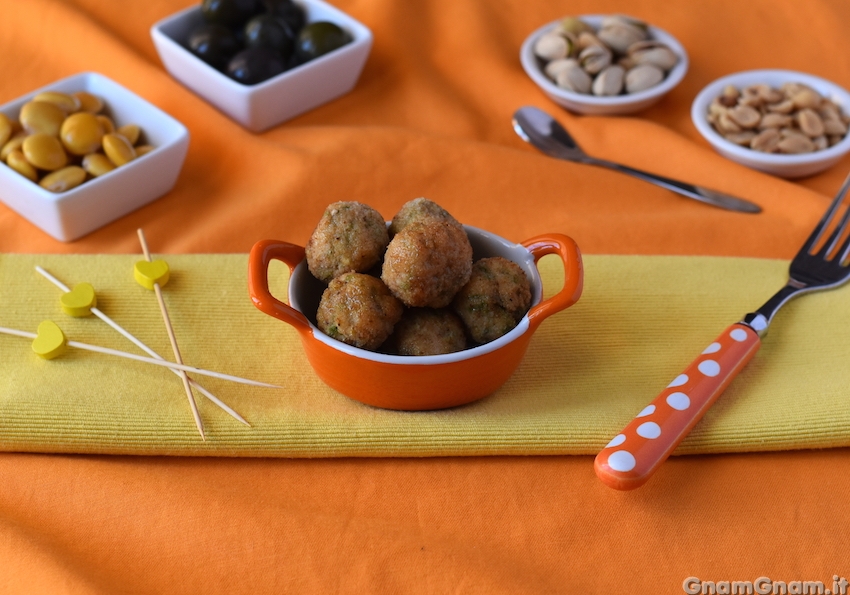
{"x":79,"y":301}
{"x":50,"y":340}
{"x":147,"y":274}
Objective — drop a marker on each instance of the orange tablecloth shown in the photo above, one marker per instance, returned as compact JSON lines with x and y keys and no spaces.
{"x":430,"y":117}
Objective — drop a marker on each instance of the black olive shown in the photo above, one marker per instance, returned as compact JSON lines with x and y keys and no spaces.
{"x":230,"y":13}
{"x":254,"y":65}
{"x":319,"y":38}
{"x":214,"y":44}
{"x":266,"y":31}
{"x":288,"y":12}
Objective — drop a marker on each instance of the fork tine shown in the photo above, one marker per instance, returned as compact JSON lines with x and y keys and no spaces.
{"x":842,"y":252}
{"x":831,"y":244}
{"x":822,"y":225}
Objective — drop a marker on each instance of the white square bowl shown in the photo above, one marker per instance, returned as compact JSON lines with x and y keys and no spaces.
{"x":280,"y":98}
{"x":70,"y":215}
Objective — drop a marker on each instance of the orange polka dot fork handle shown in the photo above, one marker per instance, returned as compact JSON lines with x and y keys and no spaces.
{"x":631,"y":458}
{"x":633,"y":455}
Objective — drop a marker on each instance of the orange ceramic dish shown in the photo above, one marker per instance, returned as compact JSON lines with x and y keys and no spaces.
{"x":414,"y":383}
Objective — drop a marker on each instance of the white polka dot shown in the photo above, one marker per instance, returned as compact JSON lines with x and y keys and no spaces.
{"x":649,"y":410}
{"x":738,"y":334}
{"x":709,"y":367}
{"x":616,"y":441}
{"x":678,"y":401}
{"x":622,"y":460}
{"x":649,"y":430}
{"x":679,"y":381}
{"x":713,"y":348}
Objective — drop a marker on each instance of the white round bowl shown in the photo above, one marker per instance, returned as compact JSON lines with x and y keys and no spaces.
{"x":591,"y":104}
{"x":784,"y":166}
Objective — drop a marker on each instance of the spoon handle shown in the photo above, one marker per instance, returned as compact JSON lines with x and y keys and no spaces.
{"x":706,"y":195}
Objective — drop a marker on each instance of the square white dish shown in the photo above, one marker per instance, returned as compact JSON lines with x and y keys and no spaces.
{"x":280,"y":98}
{"x":70,"y":215}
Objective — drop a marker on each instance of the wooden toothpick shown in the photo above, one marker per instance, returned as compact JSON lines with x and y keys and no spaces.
{"x":136,"y":341}
{"x":142,"y":358}
{"x":173,"y":339}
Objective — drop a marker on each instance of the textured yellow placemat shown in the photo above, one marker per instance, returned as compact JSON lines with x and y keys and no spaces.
{"x":588,"y":369}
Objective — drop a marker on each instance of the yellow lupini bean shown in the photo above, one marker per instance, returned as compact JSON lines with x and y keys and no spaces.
{"x":19,"y":163}
{"x":118,"y":149}
{"x":42,"y":116}
{"x":60,"y":140}
{"x":81,"y":133}
{"x":131,"y":132}
{"x":89,"y":103}
{"x":67,"y":103}
{"x":106,"y":123}
{"x":13,"y":143}
{"x":44,"y":151}
{"x":64,"y":179}
{"x":97,"y":164}
{"x":6,"y":129}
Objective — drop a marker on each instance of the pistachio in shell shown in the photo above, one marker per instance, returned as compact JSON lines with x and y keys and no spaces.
{"x":610,"y":81}
{"x":574,"y":26}
{"x":653,"y":52}
{"x":624,"y":19}
{"x":573,"y":78}
{"x":551,"y":46}
{"x":555,"y":66}
{"x":594,"y":59}
{"x":643,"y":77}
{"x":619,"y":34}
{"x":586,"y":39}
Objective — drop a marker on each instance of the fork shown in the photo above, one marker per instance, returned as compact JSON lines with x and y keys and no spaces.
{"x":631,"y":458}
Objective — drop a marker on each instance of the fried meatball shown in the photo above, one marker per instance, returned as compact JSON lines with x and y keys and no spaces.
{"x":359,"y":310}
{"x":425,"y":331}
{"x":419,"y":209}
{"x":494,"y":300}
{"x":427,"y":262}
{"x":350,"y":236}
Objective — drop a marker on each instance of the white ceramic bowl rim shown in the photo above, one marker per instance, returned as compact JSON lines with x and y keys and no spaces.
{"x":774,"y":77}
{"x":519,"y":254}
{"x":673,"y":78}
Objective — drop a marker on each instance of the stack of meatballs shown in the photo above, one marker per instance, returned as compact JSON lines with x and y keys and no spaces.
{"x":411,"y":288}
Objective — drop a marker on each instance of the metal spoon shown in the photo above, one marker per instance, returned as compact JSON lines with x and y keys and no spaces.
{"x":541,"y":130}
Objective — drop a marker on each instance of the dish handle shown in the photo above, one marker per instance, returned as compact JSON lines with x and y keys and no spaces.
{"x":259,"y":259}
{"x":566,"y":248}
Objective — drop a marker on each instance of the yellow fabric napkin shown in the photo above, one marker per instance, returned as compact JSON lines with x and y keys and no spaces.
{"x":587,"y":372}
